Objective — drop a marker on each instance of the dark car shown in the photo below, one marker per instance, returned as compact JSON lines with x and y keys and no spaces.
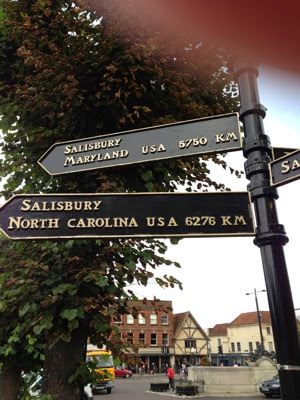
{"x":123,"y":373}
{"x":271,"y":387}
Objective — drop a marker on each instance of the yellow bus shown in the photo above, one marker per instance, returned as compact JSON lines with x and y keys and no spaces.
{"x":106,"y":370}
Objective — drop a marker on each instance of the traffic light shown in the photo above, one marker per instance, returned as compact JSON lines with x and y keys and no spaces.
{"x":163,"y":349}
{"x":220,"y":349}
{"x":168,"y":350}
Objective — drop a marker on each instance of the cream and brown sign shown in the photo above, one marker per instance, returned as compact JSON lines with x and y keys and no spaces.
{"x":199,"y":136}
{"x":127,"y":215}
{"x":286,"y":169}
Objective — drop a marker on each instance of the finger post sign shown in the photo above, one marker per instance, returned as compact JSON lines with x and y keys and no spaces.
{"x":53,"y":216}
{"x":286,"y":169}
{"x":199,"y":136}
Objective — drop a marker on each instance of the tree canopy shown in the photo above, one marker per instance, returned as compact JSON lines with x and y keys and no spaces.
{"x":67,"y":74}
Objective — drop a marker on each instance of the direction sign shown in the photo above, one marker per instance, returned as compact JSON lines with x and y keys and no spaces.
{"x":127,"y":215}
{"x":286,"y":169}
{"x":279,"y":152}
{"x":198,"y":136}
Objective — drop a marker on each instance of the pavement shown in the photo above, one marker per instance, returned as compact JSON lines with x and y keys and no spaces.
{"x":163,"y":377}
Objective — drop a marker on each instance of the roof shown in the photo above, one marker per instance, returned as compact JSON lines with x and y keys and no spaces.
{"x":219,"y":330}
{"x":150,"y":305}
{"x":179,"y":320}
{"x":251,"y":318}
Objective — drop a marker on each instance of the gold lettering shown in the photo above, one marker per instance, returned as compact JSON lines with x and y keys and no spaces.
{"x":172,"y":222}
{"x":285,"y":167}
{"x":160,"y":221}
{"x":225,"y":220}
{"x":21,"y":223}
{"x":67,"y":150}
{"x":124,"y":153}
{"x":239,"y":220}
{"x":87,"y":205}
{"x":150,"y":221}
{"x":296,"y":165}
{"x":14,"y":223}
{"x":161,"y":148}
{"x":26,"y":205}
{"x":133,"y":223}
{"x":60,"y":206}
{"x":35,"y":207}
{"x":97,"y":204}
{"x":71,"y":222}
{"x":231,"y":136}
{"x":220,"y":138}
{"x":68,"y":206}
{"x":69,"y":160}
{"x":53,"y":223}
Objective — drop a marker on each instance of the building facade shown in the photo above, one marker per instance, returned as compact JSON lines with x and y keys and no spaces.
{"x":163,"y":338}
{"x":191,"y":343}
{"x":240,"y":338}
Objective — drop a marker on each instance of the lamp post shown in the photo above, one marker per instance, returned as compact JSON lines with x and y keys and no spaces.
{"x":193,"y":352}
{"x":258,"y":315}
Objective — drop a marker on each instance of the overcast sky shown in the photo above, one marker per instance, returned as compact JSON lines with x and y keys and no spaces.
{"x":217,"y":272}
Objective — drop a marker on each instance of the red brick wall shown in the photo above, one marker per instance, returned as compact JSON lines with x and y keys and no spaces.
{"x":148,"y":328}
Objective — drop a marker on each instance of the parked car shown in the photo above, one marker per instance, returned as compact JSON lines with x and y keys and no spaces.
{"x":123,"y":373}
{"x":270,"y":387}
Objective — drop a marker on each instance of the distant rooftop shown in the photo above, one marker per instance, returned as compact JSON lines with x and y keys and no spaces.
{"x":251,"y":318}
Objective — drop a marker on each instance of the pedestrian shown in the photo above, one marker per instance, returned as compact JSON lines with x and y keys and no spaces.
{"x":170,"y":374}
{"x":152,"y":368}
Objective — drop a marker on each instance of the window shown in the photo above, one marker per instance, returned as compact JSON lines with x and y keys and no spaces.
{"x":165,"y":339}
{"x":153,"y":339}
{"x":268,"y":330}
{"x":142,"y":338}
{"x":153,"y":319}
{"x":250,"y":346}
{"x":232,"y":347}
{"x":238,"y":345}
{"x":271,"y":348}
{"x":130,"y":319}
{"x":142,"y":320}
{"x":118,"y":319}
{"x":190,"y":343}
{"x":164,"y":319}
{"x":219,"y":342}
{"x":257,"y":344}
{"x":129,"y":339}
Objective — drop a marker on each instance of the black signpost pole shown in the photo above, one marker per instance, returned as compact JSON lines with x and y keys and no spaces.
{"x":270,"y":235}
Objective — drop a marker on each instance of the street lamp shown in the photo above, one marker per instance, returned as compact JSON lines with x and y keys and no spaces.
{"x":258,"y":315}
{"x":193,"y":351}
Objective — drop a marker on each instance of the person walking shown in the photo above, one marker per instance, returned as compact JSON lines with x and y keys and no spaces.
{"x":170,"y":374}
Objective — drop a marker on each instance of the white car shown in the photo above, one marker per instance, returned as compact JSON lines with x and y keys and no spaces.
{"x":36,"y":386}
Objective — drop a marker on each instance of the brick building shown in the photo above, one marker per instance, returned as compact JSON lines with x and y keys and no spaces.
{"x":164,"y":337}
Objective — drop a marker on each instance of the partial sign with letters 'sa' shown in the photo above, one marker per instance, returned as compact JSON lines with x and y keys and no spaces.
{"x":286,"y":169}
